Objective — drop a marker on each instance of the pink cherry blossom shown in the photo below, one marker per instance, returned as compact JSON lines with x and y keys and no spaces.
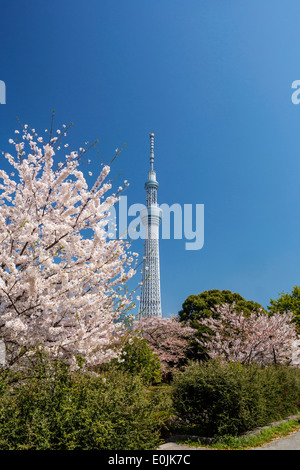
{"x":167,"y":337}
{"x":256,"y":338}
{"x":60,"y":276}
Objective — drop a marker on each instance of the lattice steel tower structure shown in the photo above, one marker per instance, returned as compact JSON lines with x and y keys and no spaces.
{"x":150,"y":303}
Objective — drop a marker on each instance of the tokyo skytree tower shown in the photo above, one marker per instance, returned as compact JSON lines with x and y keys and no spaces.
{"x":150,"y":303}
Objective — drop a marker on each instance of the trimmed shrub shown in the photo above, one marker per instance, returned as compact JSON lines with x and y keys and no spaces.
{"x":63,"y":411}
{"x":215,"y":398}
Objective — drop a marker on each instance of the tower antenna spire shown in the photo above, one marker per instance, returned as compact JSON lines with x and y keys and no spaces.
{"x":151,"y":215}
{"x":151,"y":151}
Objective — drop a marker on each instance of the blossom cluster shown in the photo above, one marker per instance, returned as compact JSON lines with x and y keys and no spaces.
{"x":257,"y":337}
{"x":60,"y":276}
{"x":167,"y":337}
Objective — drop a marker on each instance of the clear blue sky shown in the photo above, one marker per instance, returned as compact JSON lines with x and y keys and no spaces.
{"x":212,"y":79}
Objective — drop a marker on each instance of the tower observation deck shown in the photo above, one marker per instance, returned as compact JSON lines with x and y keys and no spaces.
{"x":150,"y":303}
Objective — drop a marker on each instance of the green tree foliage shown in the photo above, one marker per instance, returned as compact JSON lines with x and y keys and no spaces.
{"x":288,"y":302}
{"x":139,"y":359}
{"x":201,"y":305}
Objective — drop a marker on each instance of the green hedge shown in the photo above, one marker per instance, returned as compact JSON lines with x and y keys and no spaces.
{"x":61,"y":411}
{"x":214,"y":398}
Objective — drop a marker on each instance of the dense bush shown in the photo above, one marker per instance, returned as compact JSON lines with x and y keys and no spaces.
{"x":215,"y":398}
{"x":138,"y":359}
{"x":59,"y":411}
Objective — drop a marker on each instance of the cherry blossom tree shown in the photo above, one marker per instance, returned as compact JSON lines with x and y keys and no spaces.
{"x":257,"y":337}
{"x":167,"y":337}
{"x":61,"y":277}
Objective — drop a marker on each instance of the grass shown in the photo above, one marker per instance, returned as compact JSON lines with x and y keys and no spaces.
{"x":252,"y":440}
